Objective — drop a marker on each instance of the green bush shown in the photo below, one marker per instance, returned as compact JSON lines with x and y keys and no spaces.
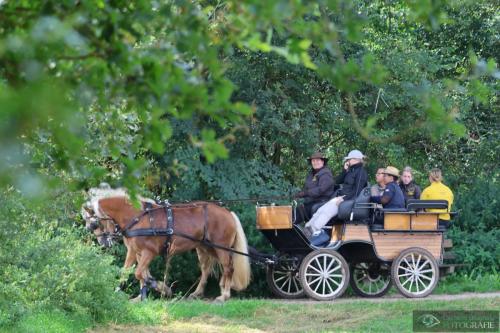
{"x":46,"y":264}
{"x":475,"y":231}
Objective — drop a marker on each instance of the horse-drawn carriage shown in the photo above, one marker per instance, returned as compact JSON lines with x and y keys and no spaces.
{"x":405,"y":247}
{"x":378,"y":247}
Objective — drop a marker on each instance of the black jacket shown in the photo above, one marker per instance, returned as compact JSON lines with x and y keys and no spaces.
{"x":354,"y":179}
{"x":318,"y":186}
{"x":410,"y":191}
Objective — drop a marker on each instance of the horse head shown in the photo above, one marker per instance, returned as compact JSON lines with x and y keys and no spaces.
{"x":96,"y":221}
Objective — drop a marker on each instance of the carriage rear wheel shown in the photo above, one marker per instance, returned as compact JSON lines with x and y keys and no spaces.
{"x":283,"y":279}
{"x":415,"y":272}
{"x":324,"y":275}
{"x":370,"y":279}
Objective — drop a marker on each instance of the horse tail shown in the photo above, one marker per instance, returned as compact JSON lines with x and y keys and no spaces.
{"x":241,"y":264}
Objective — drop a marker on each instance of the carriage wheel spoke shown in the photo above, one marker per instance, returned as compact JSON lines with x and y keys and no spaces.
{"x":407,"y":263}
{"x":411,"y":285}
{"x":313,"y":274}
{"x":330,"y":265}
{"x":295,"y":284}
{"x":426,"y":277}
{"x":330,"y":287}
{"x":335,"y":269}
{"x":280,"y":278}
{"x":407,"y":280}
{"x":317,"y":270}
{"x":318,"y":285}
{"x":283,"y":285}
{"x":422,"y":282}
{"x":360,"y":279}
{"x":424,"y":264}
{"x":314,"y":281}
{"x":427,"y":271}
{"x":331,"y":279}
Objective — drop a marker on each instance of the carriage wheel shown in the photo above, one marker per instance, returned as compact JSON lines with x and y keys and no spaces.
{"x":370,"y":279}
{"x":415,"y":272}
{"x":284,"y":281}
{"x":324,"y":275}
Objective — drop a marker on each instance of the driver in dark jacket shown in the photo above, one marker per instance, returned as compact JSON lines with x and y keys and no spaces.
{"x":318,"y":187}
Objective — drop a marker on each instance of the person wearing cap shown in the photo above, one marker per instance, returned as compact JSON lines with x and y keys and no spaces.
{"x":354,"y":179}
{"x":318,"y":187}
{"x":410,"y":189}
{"x":393,"y":196}
{"x":438,"y":191}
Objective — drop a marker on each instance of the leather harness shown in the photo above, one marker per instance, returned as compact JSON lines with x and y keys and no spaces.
{"x":169,"y":231}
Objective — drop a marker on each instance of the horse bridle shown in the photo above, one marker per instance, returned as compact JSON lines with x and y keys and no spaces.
{"x":97,"y":222}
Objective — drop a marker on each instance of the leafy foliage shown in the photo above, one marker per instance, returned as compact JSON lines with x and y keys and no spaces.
{"x":225,"y":100}
{"x":45,"y":265}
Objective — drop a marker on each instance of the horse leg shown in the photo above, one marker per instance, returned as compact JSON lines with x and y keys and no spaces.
{"x":142,"y":273}
{"x":162,"y":287}
{"x":130,"y":260}
{"x":226,"y":260}
{"x":206,"y":263}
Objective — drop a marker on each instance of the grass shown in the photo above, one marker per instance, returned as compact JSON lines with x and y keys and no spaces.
{"x":457,"y":284}
{"x":50,"y":321}
{"x":271,"y":316}
{"x":256,"y":315}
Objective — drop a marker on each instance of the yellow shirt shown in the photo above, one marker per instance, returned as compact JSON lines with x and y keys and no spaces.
{"x":438,"y":191}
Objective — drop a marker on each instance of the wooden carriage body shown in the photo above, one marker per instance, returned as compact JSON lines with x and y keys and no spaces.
{"x":405,"y":242}
{"x":401,"y":230}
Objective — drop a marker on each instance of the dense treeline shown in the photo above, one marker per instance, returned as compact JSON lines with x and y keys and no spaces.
{"x":225,"y":100}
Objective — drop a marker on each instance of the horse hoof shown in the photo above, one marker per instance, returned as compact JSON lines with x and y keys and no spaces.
{"x":135,"y":299}
{"x":193,"y":297}
{"x":218,"y":301}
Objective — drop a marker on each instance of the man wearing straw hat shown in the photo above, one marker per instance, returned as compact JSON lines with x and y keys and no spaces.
{"x":392,"y":197}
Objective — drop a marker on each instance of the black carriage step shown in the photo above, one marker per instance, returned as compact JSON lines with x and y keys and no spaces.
{"x":448,"y":269}
{"x":449,"y":256}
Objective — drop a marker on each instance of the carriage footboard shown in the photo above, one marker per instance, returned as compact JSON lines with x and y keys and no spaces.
{"x":291,"y":240}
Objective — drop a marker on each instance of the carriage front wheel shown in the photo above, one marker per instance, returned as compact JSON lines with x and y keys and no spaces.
{"x":283,"y":279}
{"x":324,"y":275}
{"x":415,"y":272}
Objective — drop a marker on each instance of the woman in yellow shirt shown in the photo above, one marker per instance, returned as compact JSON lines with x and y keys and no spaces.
{"x":438,"y":191}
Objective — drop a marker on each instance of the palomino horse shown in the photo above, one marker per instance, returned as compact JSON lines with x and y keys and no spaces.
{"x":195,"y":226}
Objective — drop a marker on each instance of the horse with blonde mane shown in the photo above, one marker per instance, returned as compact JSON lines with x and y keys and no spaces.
{"x":213,"y":231}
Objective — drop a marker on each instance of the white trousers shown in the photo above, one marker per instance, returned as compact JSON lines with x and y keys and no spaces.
{"x":324,"y":214}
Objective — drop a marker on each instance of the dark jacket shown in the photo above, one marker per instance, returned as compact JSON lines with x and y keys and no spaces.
{"x":318,"y":186}
{"x":410,"y":191}
{"x":392,"y":198}
{"x":354,"y":179}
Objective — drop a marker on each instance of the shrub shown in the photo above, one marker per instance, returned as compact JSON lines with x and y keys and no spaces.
{"x":47,"y":264}
{"x":475,"y":232}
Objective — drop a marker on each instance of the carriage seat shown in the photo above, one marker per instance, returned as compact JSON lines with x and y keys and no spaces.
{"x":360,"y":207}
{"x":417,"y":204}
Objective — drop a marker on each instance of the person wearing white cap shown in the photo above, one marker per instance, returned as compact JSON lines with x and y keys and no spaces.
{"x":354,"y":178}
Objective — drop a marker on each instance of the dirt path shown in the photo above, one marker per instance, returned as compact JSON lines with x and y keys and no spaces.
{"x":398,"y":297}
